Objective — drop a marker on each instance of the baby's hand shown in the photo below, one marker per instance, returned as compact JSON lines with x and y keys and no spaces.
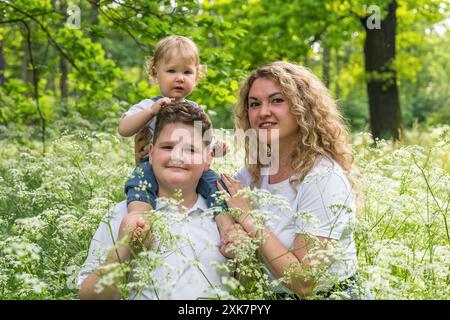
{"x":161,"y":103}
{"x":219,"y":149}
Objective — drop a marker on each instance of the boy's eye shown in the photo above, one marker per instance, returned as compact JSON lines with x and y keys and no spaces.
{"x":167,"y":147}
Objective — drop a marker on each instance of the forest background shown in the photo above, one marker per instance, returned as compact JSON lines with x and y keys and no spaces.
{"x":69,"y":69}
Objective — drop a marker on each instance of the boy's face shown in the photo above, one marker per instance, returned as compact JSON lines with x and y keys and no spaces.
{"x":179,"y":157}
{"x":176,"y":76}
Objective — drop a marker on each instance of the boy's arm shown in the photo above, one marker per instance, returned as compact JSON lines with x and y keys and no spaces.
{"x":118,"y":254}
{"x":139,"y":206}
{"x":111,"y":292}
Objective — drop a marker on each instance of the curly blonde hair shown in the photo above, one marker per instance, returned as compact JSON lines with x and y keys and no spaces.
{"x":321,"y":128}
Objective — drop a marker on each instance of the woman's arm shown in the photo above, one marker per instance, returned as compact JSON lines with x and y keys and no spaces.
{"x":295,"y":263}
{"x":277,"y":257}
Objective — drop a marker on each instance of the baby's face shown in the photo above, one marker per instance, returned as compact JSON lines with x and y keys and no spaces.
{"x":179,"y":157}
{"x":176,"y":76}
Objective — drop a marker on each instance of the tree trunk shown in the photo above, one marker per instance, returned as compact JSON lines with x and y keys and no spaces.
{"x":326,"y":57}
{"x":63,"y":86}
{"x":338,"y":70}
{"x":381,"y":77}
{"x":2,"y":65}
{"x":27,"y":73}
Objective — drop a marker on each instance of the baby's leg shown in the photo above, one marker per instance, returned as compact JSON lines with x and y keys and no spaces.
{"x":207,"y":188}
{"x":142,"y":185}
{"x":141,"y":190}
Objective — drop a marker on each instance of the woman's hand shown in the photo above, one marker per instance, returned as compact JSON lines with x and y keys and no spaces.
{"x":234,"y":186}
{"x":239,"y":202}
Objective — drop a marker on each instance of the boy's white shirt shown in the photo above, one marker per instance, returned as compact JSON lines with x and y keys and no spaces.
{"x":324,"y":188}
{"x":188,"y":271}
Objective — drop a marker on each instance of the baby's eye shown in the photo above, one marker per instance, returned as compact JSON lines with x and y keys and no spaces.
{"x":171,"y":71}
{"x":189,"y":72}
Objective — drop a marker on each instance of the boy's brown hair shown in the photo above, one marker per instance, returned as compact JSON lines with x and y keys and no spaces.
{"x":183,"y":112}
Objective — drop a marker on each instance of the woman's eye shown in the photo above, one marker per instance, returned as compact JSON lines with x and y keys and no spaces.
{"x":278,"y":100}
{"x":253,"y":104}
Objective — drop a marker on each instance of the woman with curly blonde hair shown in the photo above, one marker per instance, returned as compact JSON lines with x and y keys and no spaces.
{"x":289,"y":108}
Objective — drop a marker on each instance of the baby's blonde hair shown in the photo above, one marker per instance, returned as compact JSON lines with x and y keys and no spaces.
{"x":164,"y":49}
{"x":321,"y":129}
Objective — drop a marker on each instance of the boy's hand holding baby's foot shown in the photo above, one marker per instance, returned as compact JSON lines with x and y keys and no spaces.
{"x":135,"y":229}
{"x":141,"y":236}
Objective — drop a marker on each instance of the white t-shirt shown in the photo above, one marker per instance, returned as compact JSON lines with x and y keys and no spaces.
{"x":326,"y":195}
{"x":144,"y":104}
{"x":188,"y":271}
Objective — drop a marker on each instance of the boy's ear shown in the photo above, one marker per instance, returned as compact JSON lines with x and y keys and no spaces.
{"x":150,"y":152}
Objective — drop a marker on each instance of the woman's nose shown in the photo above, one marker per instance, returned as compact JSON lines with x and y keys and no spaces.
{"x":265,"y":110}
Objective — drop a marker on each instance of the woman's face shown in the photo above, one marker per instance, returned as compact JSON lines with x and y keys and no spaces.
{"x":269,"y":112}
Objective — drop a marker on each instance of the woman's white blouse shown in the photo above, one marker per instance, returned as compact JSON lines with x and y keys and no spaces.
{"x":323,"y":204}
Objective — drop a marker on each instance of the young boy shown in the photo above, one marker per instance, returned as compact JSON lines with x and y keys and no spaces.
{"x":178,"y":164}
{"x":175,"y":67}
